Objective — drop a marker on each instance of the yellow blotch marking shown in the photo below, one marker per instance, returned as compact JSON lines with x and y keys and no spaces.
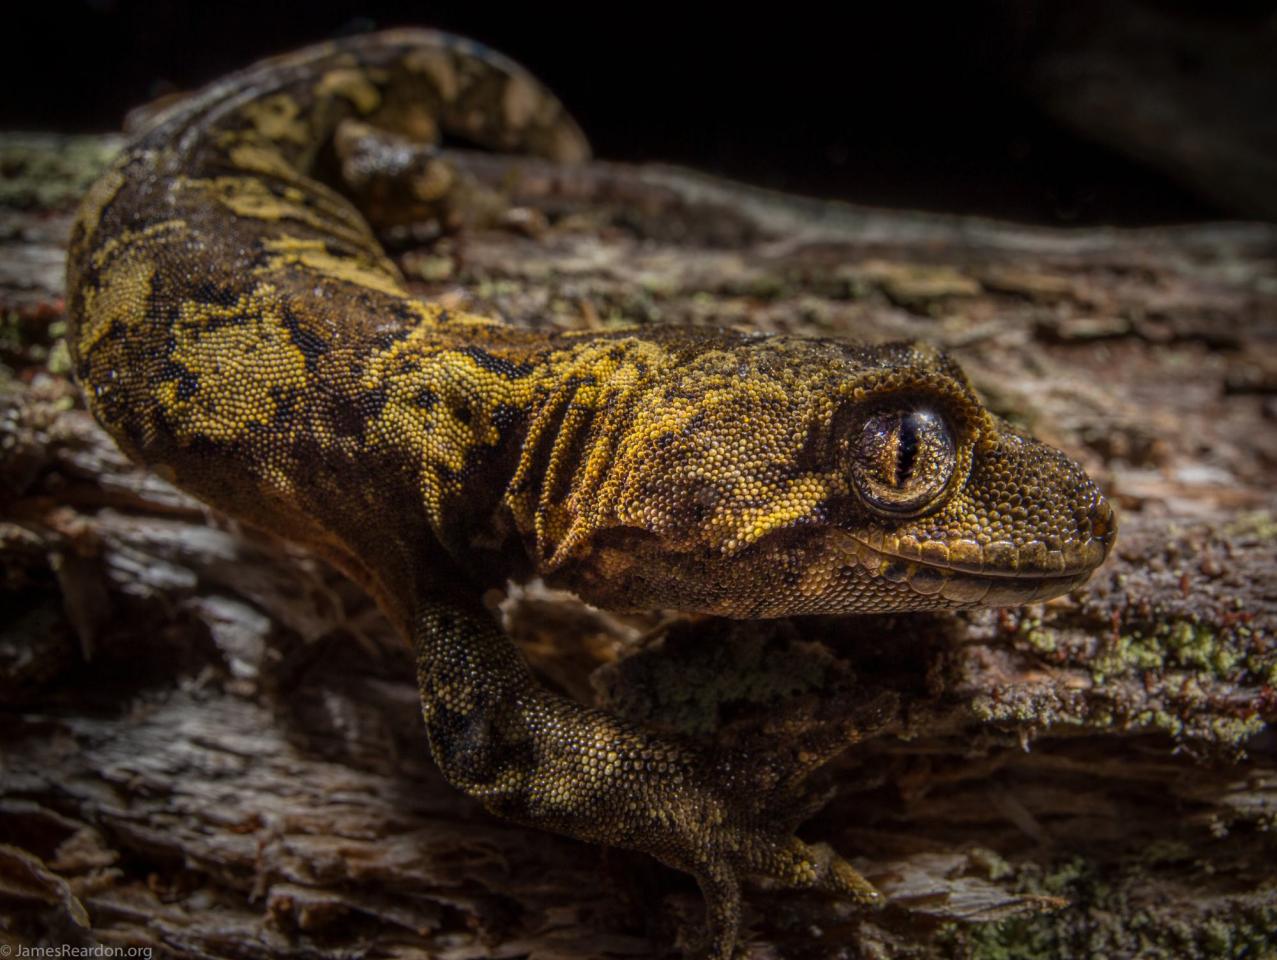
{"x":133,"y":238}
{"x":521,"y":100}
{"x":735,"y":452}
{"x":352,"y":85}
{"x":434,"y":432}
{"x":592,"y":475}
{"x":120,"y":298}
{"x":238,"y":355}
{"x":278,"y":118}
{"x":261,"y":159}
{"x":100,"y":194}
{"x":249,"y":197}
{"x":438,"y":67}
{"x":459,"y":324}
{"x":313,"y":255}
{"x":793,"y":502}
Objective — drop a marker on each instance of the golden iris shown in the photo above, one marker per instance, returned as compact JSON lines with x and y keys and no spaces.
{"x":903,"y":459}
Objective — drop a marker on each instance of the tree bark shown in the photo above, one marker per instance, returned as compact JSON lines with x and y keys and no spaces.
{"x":212,"y":744}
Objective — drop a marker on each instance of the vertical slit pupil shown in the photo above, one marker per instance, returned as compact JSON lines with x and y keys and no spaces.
{"x":906,"y":450}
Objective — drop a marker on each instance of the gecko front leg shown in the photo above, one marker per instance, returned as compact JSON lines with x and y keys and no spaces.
{"x":540,"y":759}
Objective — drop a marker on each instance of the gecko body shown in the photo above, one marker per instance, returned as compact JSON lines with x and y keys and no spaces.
{"x":236,"y":325}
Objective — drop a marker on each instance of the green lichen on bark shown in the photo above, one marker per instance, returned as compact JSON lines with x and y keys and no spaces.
{"x":40,"y":171}
{"x":1112,"y":915}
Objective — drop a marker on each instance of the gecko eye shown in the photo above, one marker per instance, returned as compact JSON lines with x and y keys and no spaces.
{"x":902,"y":460}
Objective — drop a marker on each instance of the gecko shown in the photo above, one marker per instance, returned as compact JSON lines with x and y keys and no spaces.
{"x":236,"y":326}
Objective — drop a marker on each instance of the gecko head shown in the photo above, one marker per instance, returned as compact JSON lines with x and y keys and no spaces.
{"x":784,"y":476}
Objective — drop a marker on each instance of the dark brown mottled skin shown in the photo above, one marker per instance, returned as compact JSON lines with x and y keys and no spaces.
{"x":236,"y":326}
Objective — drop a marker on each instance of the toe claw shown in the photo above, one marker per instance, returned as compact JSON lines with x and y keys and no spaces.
{"x":838,"y":877}
{"x":846,"y":880}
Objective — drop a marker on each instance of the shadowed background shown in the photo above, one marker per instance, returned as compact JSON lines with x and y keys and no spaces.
{"x":1134,"y":112}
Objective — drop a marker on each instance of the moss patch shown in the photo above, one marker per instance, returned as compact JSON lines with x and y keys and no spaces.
{"x":50,"y":172}
{"x":1113,"y":915}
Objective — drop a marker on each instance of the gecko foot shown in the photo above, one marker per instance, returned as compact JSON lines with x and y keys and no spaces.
{"x":540,"y":759}
{"x":762,"y":800}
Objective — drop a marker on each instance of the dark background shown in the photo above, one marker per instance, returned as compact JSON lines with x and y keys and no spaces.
{"x":935,"y":106}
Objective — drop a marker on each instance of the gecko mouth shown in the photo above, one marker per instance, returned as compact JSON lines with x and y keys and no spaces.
{"x":995,"y":574}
